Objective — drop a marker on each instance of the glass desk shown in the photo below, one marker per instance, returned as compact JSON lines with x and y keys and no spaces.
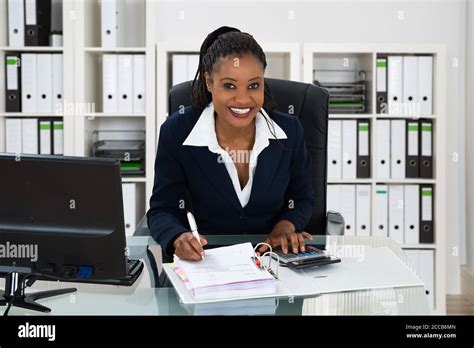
{"x":144,"y":299}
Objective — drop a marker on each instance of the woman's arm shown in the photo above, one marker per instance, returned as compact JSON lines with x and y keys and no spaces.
{"x":299,"y":196}
{"x":167,"y":213}
{"x":299,"y":199}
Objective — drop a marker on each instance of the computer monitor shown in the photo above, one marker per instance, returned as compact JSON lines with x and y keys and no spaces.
{"x":62,"y":216}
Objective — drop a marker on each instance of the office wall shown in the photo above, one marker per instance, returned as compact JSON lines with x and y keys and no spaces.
{"x":356,"y":21}
{"x":469,"y":133}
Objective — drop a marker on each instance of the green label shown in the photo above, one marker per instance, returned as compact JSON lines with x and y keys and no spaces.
{"x":381,"y":192}
{"x":58,"y":126}
{"x":426,"y":128}
{"x":364,"y":127}
{"x":45,"y":126}
{"x":11,"y":61}
{"x":381,"y":63}
{"x":413,"y":127}
{"x":427,"y":192}
{"x":345,"y":104}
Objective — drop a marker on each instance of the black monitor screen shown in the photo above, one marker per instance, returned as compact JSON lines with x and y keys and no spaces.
{"x":62,"y":216}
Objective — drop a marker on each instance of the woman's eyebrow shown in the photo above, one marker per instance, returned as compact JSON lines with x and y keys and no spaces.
{"x":229,"y":78}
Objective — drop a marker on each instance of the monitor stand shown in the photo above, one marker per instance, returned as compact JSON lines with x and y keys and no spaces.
{"x":15,"y":284}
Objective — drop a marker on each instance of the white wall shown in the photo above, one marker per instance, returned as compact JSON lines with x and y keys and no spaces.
{"x":356,"y":21}
{"x":469,"y":134}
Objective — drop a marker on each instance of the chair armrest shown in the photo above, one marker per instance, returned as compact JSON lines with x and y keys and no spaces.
{"x":334,"y":223}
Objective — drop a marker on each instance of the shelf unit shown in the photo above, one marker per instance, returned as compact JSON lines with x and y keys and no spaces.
{"x":88,"y":82}
{"x":68,"y":78}
{"x":367,"y":53}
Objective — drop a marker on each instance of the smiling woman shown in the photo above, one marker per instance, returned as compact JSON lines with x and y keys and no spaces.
{"x":207,"y":157}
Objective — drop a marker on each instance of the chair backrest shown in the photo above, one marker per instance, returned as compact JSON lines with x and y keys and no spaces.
{"x":310,"y":104}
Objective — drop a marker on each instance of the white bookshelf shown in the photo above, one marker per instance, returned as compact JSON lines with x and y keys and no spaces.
{"x":140,"y":39}
{"x":313,"y":53}
{"x":68,"y":78}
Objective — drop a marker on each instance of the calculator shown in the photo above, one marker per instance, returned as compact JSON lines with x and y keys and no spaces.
{"x":311,"y":253}
{"x":311,"y":257}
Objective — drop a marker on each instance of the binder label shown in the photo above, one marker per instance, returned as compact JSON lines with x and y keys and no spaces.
{"x":363,"y":139}
{"x":426,"y":129}
{"x":426,"y":206}
{"x":12,"y":73}
{"x":413,"y":139}
{"x":30,"y":12}
{"x":382,"y":75}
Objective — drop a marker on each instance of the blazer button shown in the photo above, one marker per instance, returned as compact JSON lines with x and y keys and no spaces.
{"x":241,"y":217}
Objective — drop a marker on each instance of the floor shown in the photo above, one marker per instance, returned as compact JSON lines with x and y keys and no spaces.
{"x":462,"y":304}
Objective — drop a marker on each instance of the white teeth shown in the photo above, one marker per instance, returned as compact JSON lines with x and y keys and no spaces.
{"x":240,"y":111}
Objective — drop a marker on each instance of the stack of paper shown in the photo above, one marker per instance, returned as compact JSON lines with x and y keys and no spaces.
{"x":225,"y":273}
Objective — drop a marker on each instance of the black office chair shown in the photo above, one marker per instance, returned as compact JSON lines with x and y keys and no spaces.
{"x":310,"y":104}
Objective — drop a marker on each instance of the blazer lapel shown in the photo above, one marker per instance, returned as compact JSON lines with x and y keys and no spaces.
{"x":216,"y":173}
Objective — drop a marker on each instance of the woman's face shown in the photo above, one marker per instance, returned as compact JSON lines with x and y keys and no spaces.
{"x":236,"y":85}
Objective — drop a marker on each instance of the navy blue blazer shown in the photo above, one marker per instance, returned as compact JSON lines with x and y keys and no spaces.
{"x":192,"y":177}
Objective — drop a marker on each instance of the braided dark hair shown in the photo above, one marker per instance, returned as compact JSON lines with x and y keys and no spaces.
{"x":219,"y":44}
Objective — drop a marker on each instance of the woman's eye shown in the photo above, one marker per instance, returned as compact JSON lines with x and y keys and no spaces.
{"x":228,"y":85}
{"x":254,"y":85}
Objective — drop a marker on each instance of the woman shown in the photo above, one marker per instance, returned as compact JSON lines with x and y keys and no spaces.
{"x":241,"y":170}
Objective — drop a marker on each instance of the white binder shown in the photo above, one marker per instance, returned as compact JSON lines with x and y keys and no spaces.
{"x":139,"y":83}
{"x":112,"y":21}
{"x":412,"y":214}
{"x":129,"y":207}
{"x":381,"y":211}
{"x":179,"y":68}
{"x":425,"y":84}
{"x":426,"y":273}
{"x":58,"y":134}
{"x":397,"y":148}
{"x":193,"y":64}
{"x":412,"y":255}
{"x":29,"y":135}
{"x":395,"y":214}
{"x":16,"y":23}
{"x":45,"y":137}
{"x":348,"y":208}
{"x":363,"y":210}
{"x":28,"y":82}
{"x":349,"y":149}
{"x":383,"y":149}
{"x":333,"y":198}
{"x":109,"y":82}
{"x":334,"y":149}
{"x":125,"y":83}
{"x":13,"y":135}
{"x":44,"y":73}
{"x":58,"y":84}
{"x":410,"y":86}
{"x":395,"y":84}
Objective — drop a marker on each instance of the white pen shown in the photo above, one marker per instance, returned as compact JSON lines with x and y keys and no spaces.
{"x":193,"y":227}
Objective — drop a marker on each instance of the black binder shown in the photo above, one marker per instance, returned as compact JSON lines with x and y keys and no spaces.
{"x":38,"y":23}
{"x":382,"y":67}
{"x":12,"y":82}
{"x":426,"y":214}
{"x":363,"y":142}
{"x":412,"y":149}
{"x":426,"y":149}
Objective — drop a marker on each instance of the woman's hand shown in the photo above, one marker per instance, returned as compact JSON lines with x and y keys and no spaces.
{"x":284,"y":235}
{"x":188,"y":248}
